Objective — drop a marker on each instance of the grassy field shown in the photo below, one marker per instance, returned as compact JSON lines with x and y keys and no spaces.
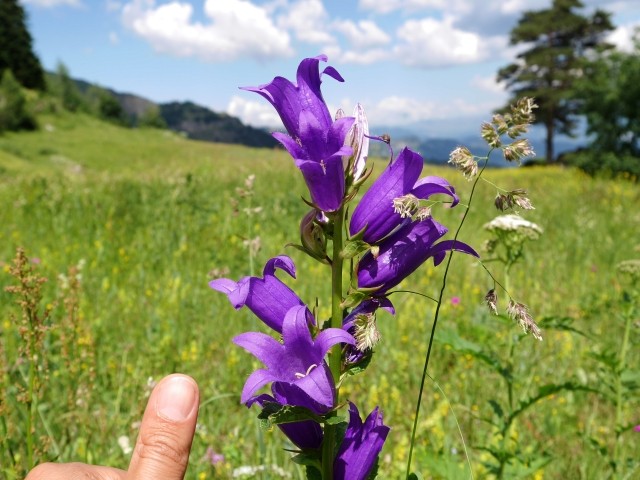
{"x":146,"y":217}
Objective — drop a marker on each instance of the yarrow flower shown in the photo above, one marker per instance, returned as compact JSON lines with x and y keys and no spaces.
{"x":314,"y":140}
{"x":515,"y":224}
{"x":268,"y":297}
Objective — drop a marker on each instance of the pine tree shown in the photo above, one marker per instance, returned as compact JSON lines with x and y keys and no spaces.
{"x":16,"y":53}
{"x":559,"y":40}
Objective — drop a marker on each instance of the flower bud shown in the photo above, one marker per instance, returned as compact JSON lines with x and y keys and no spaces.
{"x":312,"y":236}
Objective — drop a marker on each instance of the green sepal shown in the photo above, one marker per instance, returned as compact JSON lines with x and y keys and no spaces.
{"x":361,"y":366}
{"x":321,"y":259}
{"x":353,"y":248}
{"x":274,"y":413}
{"x":353,"y":299}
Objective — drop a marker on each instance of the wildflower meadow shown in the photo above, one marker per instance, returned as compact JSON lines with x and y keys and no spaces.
{"x":378,"y":315}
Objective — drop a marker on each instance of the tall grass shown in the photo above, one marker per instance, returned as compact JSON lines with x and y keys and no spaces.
{"x":150,"y":216}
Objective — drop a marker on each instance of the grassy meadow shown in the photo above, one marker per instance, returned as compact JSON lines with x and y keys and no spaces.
{"x":129,"y":225}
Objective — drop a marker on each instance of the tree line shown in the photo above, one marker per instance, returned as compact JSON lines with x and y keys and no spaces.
{"x":576,"y":77}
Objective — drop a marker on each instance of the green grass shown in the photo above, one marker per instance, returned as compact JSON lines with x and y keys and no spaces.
{"x":151,"y":214}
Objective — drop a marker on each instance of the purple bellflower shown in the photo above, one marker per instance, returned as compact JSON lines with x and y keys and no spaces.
{"x":315,"y":141}
{"x":268,"y":297}
{"x":404,"y":251}
{"x":361,"y":445}
{"x":376,"y":213}
{"x":296,"y":367}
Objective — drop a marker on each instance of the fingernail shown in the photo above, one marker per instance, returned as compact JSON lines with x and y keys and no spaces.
{"x":177,"y":397}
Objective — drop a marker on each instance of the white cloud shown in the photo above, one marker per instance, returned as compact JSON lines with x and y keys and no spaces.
{"x":488,"y":84}
{"x":363,"y":57}
{"x":53,"y":3}
{"x":435,"y":43}
{"x":113,"y":5}
{"x":398,"y":110}
{"x":622,"y":37}
{"x":259,"y":113}
{"x":387,"y":6}
{"x":237,"y":28}
{"x":364,"y":34}
{"x":114,"y":39}
{"x":308,"y":20}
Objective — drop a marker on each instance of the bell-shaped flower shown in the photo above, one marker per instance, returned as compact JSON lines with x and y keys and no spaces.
{"x":361,"y":445}
{"x":305,"y":434}
{"x":296,"y":367}
{"x":314,"y":140}
{"x":268,"y":297}
{"x":404,"y":251}
{"x":376,"y":213}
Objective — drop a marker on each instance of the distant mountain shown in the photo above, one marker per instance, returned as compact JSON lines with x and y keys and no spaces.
{"x":436,"y":149}
{"x":433,"y":139}
{"x":197,"y":122}
{"x":200,"y":123}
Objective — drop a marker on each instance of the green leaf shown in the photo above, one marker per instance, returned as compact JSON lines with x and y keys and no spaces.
{"x":309,"y":458}
{"x":560,"y":323}
{"x":497,"y":409}
{"x":548,"y":390}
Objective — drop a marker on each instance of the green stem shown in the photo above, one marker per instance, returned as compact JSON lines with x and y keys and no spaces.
{"x":619,"y":387}
{"x":335,"y":360}
{"x":31,"y":406}
{"x":435,"y":321}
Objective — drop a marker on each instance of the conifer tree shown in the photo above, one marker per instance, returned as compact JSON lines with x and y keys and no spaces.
{"x":16,"y":53}
{"x":559,"y":39}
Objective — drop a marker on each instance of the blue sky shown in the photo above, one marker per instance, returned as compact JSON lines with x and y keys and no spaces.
{"x":407,"y":61}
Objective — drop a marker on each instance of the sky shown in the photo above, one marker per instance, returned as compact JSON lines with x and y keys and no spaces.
{"x":408,"y":62}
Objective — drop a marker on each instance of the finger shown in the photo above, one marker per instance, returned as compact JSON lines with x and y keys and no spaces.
{"x":169,"y":422}
{"x":74,"y":471}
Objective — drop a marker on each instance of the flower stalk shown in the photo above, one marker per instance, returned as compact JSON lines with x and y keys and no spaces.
{"x":335,"y":356}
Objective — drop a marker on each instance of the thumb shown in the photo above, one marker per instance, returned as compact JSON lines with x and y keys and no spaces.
{"x":167,"y":429}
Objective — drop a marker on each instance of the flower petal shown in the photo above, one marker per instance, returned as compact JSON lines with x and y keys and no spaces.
{"x":399,"y":255}
{"x":265,"y":348}
{"x":256,"y":380}
{"x":375,"y":211}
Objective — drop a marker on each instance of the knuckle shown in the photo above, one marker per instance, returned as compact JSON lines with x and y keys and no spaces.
{"x":163,"y":445}
{"x":40,"y":472}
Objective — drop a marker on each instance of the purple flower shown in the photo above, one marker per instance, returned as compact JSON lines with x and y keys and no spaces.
{"x":213,"y":457}
{"x":315,"y":141}
{"x":636,"y":428}
{"x":404,"y":251}
{"x":296,"y":367}
{"x":361,"y":445}
{"x":376,"y":213}
{"x":268,"y":298}
{"x":306,"y":434}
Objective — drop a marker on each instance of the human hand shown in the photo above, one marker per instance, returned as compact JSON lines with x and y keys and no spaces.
{"x":163,"y":445}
